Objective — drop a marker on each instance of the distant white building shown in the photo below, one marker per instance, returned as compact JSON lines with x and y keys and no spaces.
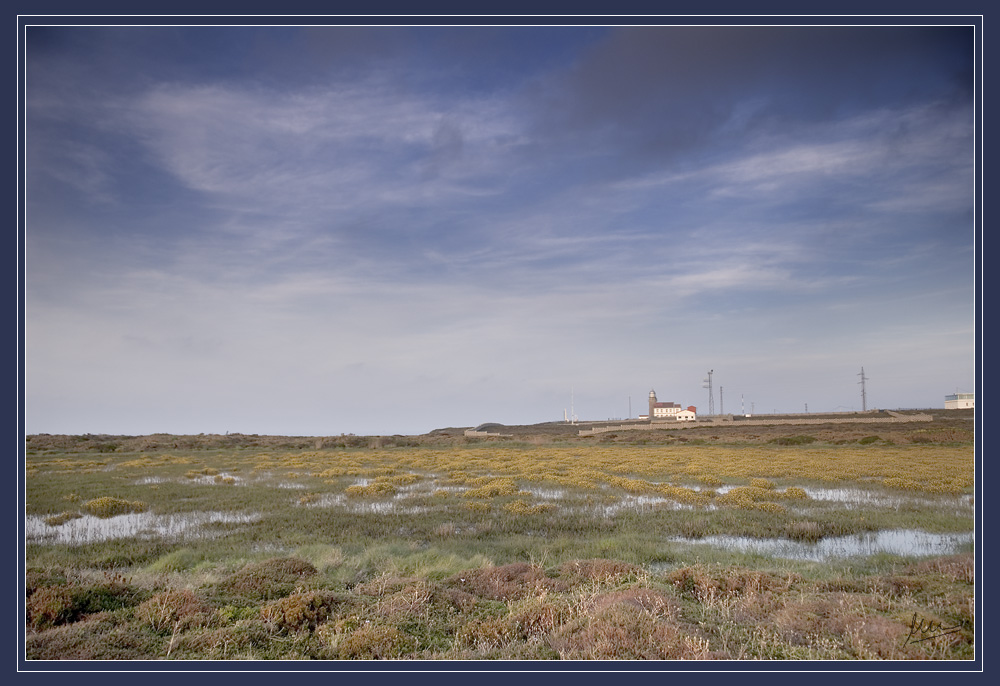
{"x":658,"y":410}
{"x":959,"y":401}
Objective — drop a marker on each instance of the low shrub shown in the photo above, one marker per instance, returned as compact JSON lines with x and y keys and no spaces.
{"x":492,"y":489}
{"x":954,"y":567}
{"x":523,"y":507}
{"x":168,"y":609}
{"x":269,"y":579}
{"x":507,"y":582}
{"x":538,"y":617}
{"x":111,"y":507}
{"x":704,"y":585}
{"x":376,"y":488}
{"x":624,"y":632}
{"x":50,"y":606}
{"x":646,"y":599}
{"x":804,"y":531}
{"x":376,"y":642}
{"x":67,"y":601}
{"x":300,"y":611}
{"x":603,"y":570}
{"x":62,"y":518}
{"x":486,"y":635}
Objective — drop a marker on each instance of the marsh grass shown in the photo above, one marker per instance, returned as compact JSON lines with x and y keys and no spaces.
{"x":538,"y":551}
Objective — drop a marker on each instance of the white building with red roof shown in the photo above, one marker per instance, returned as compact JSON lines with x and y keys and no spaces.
{"x":663,"y":411}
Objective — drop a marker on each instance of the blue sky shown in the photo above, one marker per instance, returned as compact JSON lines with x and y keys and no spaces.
{"x":323,"y":230}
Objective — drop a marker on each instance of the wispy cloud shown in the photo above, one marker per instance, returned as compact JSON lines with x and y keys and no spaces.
{"x":497,"y":215}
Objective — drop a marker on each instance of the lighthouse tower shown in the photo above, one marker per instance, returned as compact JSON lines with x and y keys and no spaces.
{"x":652,"y":403}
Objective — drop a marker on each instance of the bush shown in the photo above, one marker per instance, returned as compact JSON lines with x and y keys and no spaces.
{"x":300,"y":611}
{"x":111,"y":507}
{"x":59,"y":519}
{"x":867,"y":440}
{"x":376,"y":488}
{"x":269,"y":579}
{"x":60,"y":601}
{"x":375,"y":643}
{"x":600,"y":570}
{"x":508,"y":582}
{"x":485,"y":635}
{"x":523,"y":507}
{"x":625,"y":632}
{"x":50,"y":606}
{"x":169,"y":608}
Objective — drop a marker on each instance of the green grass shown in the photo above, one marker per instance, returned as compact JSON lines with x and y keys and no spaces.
{"x":387,"y":583}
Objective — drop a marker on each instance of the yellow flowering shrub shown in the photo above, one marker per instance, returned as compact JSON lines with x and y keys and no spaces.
{"x":110,"y":507}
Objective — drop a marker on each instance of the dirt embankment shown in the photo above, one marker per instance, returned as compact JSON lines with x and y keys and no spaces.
{"x":948,"y":426}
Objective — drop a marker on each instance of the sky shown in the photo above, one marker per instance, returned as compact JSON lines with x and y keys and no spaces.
{"x":312,"y":230}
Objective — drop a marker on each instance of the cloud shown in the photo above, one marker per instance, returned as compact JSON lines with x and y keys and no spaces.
{"x":492,"y":215}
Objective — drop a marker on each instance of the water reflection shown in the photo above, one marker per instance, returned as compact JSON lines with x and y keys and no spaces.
{"x":90,"y":529}
{"x":909,"y":542}
{"x":640,"y":503}
{"x":858,"y":497}
{"x":365,"y":506}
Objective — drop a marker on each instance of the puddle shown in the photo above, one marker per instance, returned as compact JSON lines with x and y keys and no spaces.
{"x":854,"y":497}
{"x":908,"y":542}
{"x":364,"y":506}
{"x":547,"y":493}
{"x":640,"y":503}
{"x":221,"y":479}
{"x":90,"y":529}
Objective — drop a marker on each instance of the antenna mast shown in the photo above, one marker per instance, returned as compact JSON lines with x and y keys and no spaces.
{"x":864,"y":397}
{"x":721,"y":404}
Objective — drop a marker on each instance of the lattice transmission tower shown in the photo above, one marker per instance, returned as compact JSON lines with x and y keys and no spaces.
{"x":864,"y":395}
{"x":711,"y":398}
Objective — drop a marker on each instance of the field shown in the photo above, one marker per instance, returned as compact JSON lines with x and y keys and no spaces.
{"x":848,"y":543}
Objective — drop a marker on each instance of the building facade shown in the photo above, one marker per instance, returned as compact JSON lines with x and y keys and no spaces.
{"x":658,"y":410}
{"x":959,"y":401}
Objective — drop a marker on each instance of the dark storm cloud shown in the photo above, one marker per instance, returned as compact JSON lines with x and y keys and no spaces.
{"x":661,"y":91}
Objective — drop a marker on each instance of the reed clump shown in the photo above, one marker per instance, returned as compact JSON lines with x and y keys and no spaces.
{"x":492,"y":489}
{"x":62,"y":518}
{"x":106,"y":506}
{"x":523,"y":507}
{"x":374,"y":489}
{"x":173,"y":609}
